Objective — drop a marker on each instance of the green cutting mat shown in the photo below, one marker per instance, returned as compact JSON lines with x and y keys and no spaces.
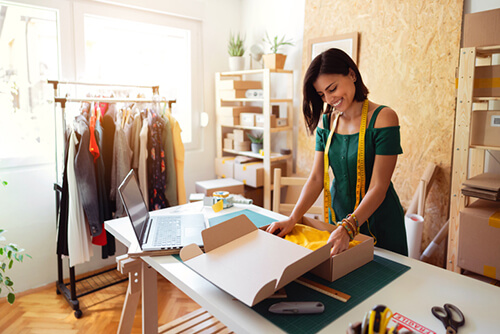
{"x":359,"y":284}
{"x":256,"y":218}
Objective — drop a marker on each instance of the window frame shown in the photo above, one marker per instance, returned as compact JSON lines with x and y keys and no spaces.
{"x":80,"y":9}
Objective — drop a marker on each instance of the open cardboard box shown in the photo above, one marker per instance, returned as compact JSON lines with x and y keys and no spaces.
{"x":251,"y":264}
{"x":341,"y":264}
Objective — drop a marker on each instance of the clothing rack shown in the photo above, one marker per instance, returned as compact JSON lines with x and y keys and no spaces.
{"x":108,"y":277}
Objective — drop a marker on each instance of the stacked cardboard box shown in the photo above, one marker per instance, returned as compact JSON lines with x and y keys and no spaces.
{"x":486,"y":81}
{"x":230,"y":116}
{"x":485,"y":186}
{"x":241,"y":142}
{"x":252,"y":174}
{"x":479,"y":238}
{"x":236,"y":89}
{"x":228,"y":184}
{"x":485,"y":127}
{"x":224,"y":167}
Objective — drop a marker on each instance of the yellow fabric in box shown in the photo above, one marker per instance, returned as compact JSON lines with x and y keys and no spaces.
{"x":311,"y":238}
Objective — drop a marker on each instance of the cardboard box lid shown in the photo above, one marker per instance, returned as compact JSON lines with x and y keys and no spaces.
{"x":248,"y":263}
{"x":486,"y":181}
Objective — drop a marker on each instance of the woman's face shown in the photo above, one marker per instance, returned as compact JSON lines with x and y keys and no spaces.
{"x":336,"y":89}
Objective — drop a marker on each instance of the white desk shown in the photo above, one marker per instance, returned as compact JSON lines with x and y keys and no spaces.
{"x":413,"y":294}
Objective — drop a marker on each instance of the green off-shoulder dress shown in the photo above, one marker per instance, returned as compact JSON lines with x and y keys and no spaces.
{"x":387,"y":222}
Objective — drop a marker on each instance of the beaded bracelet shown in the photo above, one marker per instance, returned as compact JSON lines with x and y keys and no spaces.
{"x":349,"y":231}
{"x":351,"y":225}
{"x":353,"y":217}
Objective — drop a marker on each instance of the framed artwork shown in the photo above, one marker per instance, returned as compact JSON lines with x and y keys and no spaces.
{"x":346,"y":42}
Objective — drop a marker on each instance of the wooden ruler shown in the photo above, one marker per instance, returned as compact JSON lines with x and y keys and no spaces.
{"x":323,"y":289}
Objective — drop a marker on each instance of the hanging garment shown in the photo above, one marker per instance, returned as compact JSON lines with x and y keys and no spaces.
{"x":85,"y":176}
{"x":135,"y":140}
{"x":156,"y":164}
{"x":122,"y":156}
{"x":142,"y":170}
{"x":170,"y":174}
{"x":108,"y":138}
{"x":62,"y":226}
{"x":179,"y":159}
{"x":79,"y":242}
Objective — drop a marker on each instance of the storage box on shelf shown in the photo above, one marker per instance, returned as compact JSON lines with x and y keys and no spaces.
{"x":479,"y":243}
{"x":476,"y":130}
{"x":255,"y":113}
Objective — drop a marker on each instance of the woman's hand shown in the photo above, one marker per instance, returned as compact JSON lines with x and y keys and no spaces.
{"x":339,"y":239}
{"x":281,"y":228}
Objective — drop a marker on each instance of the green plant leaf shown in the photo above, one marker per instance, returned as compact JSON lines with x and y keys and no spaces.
{"x":9,"y":254}
{"x":11,"y":263}
{"x":4,"y":183}
{"x":13,"y":247}
{"x":11,"y":298}
{"x":235,"y":46}
{"x":1,"y":251}
{"x":4,"y":265}
{"x":8,"y":282}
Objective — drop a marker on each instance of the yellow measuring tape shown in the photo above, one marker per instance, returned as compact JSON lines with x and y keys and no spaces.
{"x":361,"y":177}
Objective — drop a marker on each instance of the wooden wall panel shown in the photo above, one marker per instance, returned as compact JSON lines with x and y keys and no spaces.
{"x":408,"y":53}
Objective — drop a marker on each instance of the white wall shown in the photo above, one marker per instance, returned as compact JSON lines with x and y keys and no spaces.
{"x":278,"y":18}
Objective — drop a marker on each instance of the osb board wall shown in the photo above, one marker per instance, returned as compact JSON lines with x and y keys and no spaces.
{"x":408,"y":52}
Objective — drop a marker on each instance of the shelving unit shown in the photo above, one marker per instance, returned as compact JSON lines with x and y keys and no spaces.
{"x":268,"y":78}
{"x":468,"y":158}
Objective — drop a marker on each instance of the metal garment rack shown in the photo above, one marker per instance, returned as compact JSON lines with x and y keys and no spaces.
{"x":107,"y":277}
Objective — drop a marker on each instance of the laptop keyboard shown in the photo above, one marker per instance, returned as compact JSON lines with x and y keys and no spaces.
{"x":168,"y":232}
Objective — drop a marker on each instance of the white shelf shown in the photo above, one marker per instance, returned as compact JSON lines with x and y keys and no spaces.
{"x":266,"y":77}
{"x":273,"y":157}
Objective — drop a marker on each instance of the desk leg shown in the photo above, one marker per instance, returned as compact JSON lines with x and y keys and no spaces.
{"x":133,"y":267}
{"x":149,"y":300}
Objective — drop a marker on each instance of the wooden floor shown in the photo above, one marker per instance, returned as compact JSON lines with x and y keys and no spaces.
{"x":44,"y":311}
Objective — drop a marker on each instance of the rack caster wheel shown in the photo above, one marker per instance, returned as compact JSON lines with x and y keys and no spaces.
{"x":78,"y":314}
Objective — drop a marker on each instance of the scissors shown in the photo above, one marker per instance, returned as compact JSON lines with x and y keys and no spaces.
{"x":448,"y":317}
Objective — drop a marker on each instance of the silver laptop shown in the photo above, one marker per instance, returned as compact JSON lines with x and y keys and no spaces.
{"x":163,"y":231}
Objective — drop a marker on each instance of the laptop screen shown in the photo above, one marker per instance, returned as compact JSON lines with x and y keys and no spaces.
{"x":134,"y":202}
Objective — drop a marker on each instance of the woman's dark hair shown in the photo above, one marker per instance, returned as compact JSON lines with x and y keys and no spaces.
{"x":331,"y":61}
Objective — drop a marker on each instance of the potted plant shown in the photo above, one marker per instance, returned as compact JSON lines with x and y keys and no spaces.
{"x":256,"y":142}
{"x":275,"y":60}
{"x":8,"y":254}
{"x":236,"y":49}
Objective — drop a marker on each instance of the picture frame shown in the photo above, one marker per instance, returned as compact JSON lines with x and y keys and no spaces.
{"x":346,"y":42}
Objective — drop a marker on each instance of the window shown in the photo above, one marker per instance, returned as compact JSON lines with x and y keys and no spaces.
{"x":29,"y":49}
{"x":144,"y":47}
{"x":122,"y":51}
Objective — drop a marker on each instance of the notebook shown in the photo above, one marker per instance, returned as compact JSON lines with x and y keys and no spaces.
{"x":165,"y":231}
